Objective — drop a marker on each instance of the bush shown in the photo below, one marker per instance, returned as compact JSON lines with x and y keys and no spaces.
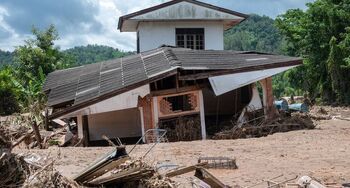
{"x":8,"y":102}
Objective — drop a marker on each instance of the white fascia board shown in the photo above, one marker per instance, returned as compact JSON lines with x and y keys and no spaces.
{"x":122,"y":101}
{"x":226,"y":83}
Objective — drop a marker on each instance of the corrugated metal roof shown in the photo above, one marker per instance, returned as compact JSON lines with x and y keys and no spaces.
{"x":89,"y":82}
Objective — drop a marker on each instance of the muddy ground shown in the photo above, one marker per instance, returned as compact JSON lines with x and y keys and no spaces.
{"x":323,"y":153}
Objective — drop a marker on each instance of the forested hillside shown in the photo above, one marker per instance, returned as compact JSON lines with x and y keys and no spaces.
{"x":76,"y":56}
{"x":82,"y":55}
{"x":257,"y":33}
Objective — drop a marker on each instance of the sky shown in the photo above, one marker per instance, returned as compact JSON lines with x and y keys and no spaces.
{"x":82,"y":22}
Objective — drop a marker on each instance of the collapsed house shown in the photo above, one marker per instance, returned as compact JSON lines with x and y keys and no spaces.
{"x":190,"y":86}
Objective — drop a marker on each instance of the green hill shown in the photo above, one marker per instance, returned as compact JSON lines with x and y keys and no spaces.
{"x":257,"y":33}
{"x":82,"y":55}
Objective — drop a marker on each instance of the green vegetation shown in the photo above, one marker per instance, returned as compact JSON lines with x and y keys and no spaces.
{"x":23,"y":72}
{"x":257,"y":33}
{"x":6,"y":58}
{"x":321,"y":35}
{"x":91,"y":54}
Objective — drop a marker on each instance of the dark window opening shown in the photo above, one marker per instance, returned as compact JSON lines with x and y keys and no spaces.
{"x":190,"y":38}
{"x":180,"y":103}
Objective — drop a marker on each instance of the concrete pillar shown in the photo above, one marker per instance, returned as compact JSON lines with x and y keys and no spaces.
{"x":268,"y":98}
{"x":202,"y":115}
{"x":155,"y":112}
{"x":80,"y":126}
{"x":142,"y":124}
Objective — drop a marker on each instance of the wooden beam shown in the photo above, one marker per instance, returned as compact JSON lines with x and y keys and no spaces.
{"x":268,"y":99}
{"x":208,"y":178}
{"x":178,"y":90}
{"x":184,"y":170}
{"x":86,"y":130}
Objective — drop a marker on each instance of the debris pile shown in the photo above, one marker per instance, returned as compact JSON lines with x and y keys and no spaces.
{"x":249,"y":129}
{"x":23,"y":171}
{"x":185,"y":128}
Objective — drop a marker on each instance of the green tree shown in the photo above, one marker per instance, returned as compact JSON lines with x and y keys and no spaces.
{"x":8,"y":92}
{"x":39,"y":53}
{"x":319,"y":34}
{"x":33,"y":61}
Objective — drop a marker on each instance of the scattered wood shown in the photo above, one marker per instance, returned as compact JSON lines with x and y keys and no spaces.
{"x":108,"y":162}
{"x":208,"y":178}
{"x":185,"y":170}
{"x":22,"y":138}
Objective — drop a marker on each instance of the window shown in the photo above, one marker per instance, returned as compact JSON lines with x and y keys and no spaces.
{"x":190,"y":38}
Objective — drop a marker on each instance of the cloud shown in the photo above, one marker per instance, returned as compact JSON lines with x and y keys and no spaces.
{"x":82,"y":22}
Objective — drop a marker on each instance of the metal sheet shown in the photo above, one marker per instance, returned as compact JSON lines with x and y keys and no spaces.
{"x":226,"y":83}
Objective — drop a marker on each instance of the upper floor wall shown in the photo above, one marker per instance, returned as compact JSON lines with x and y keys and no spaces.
{"x":202,"y":24}
{"x":154,"y":34}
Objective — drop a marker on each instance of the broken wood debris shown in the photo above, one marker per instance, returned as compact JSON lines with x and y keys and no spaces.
{"x":185,"y":170}
{"x":296,"y":121}
{"x":208,"y":178}
{"x":108,"y":162}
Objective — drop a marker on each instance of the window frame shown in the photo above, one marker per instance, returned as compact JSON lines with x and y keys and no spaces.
{"x":191,"y":32}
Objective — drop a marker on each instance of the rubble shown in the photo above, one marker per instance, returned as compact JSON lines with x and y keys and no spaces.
{"x":19,"y":171}
{"x":261,"y":128}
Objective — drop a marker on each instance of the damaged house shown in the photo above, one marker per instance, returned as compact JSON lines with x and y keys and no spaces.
{"x":180,"y":80}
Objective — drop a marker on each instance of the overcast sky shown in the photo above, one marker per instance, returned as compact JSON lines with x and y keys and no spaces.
{"x":82,"y":22}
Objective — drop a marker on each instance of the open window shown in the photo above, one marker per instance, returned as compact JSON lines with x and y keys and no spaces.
{"x":178,"y":104}
{"x":190,"y":38}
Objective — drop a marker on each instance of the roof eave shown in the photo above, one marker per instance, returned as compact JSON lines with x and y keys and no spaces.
{"x":128,"y":16}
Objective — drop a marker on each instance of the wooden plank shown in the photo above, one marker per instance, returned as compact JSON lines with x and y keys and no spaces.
{"x":133,"y":174}
{"x":86,"y":130}
{"x":175,"y":91}
{"x":184,"y":170}
{"x":208,"y":178}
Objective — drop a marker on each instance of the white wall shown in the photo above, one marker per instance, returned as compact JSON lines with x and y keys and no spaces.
{"x":122,"y":101}
{"x":154,"y":34}
{"x":122,"y":124}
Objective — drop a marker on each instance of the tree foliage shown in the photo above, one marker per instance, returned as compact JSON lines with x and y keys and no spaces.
{"x":82,"y":55}
{"x":8,"y":92}
{"x":321,"y":36}
{"x":257,"y":33}
{"x":6,"y":58}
